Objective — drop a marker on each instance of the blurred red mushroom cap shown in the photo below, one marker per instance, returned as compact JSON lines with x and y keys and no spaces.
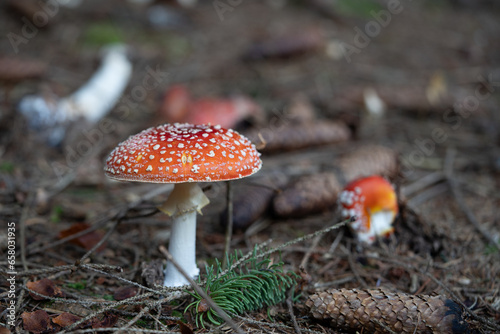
{"x":372,"y":200}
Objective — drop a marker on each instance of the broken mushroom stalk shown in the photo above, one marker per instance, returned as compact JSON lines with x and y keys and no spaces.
{"x":373,"y":202}
{"x":183,"y":154}
{"x":50,"y":115}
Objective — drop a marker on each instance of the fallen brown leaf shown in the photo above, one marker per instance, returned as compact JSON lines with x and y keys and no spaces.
{"x":86,"y":241}
{"x":4,"y":330}
{"x":44,"y":287}
{"x":185,"y":329}
{"x":105,"y":320}
{"x":65,"y":319}
{"x":125,"y":292}
{"x":37,"y":322}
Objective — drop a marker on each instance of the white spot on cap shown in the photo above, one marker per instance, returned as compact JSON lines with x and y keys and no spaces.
{"x":211,"y":154}
{"x":150,"y":168}
{"x":151,"y":157}
{"x":195,"y":169}
{"x":175,"y":170}
{"x":181,"y":145}
{"x":157,"y":146}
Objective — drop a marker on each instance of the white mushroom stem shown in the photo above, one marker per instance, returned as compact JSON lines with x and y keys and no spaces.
{"x":184,"y":202}
{"x":91,"y":101}
{"x":103,"y":90}
{"x":380,"y":224}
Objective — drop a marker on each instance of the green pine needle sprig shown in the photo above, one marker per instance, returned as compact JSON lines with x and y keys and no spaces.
{"x":247,"y":286}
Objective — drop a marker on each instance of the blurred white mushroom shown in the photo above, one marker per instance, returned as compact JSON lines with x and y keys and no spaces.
{"x":50,"y":115}
{"x":372,"y":126}
{"x":373,"y":103}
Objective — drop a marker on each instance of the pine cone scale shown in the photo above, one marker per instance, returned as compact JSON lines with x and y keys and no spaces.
{"x":381,"y":311}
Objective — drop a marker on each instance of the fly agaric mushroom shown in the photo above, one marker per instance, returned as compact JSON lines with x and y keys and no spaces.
{"x":183,"y":154}
{"x":372,"y":200}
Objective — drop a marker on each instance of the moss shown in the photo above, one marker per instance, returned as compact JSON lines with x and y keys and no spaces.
{"x":359,"y":8}
{"x":7,"y":167}
{"x":102,"y":33}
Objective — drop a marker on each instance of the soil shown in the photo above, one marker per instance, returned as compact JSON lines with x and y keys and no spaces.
{"x":434,"y":64}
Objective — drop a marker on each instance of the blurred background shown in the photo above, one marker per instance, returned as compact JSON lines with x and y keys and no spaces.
{"x":405,"y":89}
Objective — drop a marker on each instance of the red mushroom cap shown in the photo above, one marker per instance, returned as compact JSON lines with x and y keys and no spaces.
{"x":365,"y":197}
{"x":176,"y":103}
{"x":175,"y":153}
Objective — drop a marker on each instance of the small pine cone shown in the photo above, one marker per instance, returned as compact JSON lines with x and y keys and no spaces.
{"x":368,"y":160}
{"x":250,"y":202}
{"x":296,"y":136}
{"x":309,"y":194}
{"x":380,"y":311}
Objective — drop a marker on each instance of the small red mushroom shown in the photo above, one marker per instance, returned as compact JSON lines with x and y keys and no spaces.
{"x":179,"y":106}
{"x":183,"y":154}
{"x":226,"y":112}
{"x":372,"y":201}
{"x":176,"y":103}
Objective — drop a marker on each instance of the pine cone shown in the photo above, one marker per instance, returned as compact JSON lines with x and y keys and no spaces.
{"x":381,"y":311}
{"x":297,"y":136}
{"x":368,"y":160}
{"x":309,"y":194}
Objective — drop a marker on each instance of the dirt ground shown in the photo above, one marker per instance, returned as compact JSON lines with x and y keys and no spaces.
{"x":434,"y":66}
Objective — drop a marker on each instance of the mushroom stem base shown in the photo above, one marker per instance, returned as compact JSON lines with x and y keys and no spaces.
{"x":183,"y":249}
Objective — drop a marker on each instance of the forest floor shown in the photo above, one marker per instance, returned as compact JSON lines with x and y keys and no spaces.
{"x":434,"y":64}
